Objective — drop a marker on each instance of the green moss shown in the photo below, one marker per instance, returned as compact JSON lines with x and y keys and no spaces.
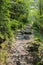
{"x":3,"y":53}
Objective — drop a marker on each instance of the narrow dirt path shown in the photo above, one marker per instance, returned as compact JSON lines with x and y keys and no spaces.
{"x":18,"y":55}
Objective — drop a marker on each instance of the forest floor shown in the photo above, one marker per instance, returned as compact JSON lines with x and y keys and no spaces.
{"x":17,"y":53}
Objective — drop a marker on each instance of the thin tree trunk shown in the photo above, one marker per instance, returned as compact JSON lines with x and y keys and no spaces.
{"x":40,"y":7}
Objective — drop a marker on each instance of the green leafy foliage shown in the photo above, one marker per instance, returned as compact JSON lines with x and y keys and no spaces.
{"x":36,"y":49}
{"x":14,"y":14}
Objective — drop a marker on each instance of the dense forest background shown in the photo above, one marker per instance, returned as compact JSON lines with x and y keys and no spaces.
{"x":16,"y":14}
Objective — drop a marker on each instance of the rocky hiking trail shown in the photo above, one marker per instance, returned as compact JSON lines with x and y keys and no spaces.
{"x":18,"y":55}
